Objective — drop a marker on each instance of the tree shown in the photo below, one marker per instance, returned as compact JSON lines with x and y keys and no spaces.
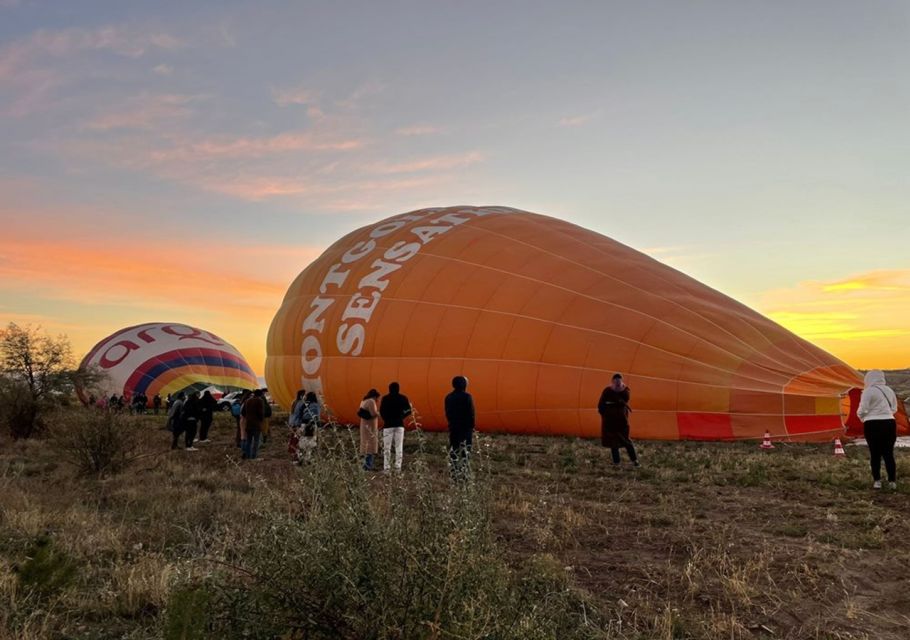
{"x":37,"y":372}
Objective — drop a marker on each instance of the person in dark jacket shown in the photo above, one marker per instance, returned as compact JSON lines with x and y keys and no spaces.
{"x":253,"y":413}
{"x":460,"y":415}
{"x":237,"y":412}
{"x":614,"y":411}
{"x":174,"y":420}
{"x":190,"y":416}
{"x":156,"y":403}
{"x":207,"y":407}
{"x":393,"y":409}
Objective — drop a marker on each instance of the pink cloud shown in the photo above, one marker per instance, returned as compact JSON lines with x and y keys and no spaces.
{"x":418,"y":130}
{"x":294,"y":96}
{"x":144,"y":112}
{"x":125,"y":41}
{"x":434,"y":163}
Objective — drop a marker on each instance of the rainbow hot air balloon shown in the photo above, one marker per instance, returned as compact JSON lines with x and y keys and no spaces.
{"x":539,"y":313}
{"x":166,"y":357}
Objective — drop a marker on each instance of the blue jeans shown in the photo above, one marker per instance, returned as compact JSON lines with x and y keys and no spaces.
{"x":250,"y":446}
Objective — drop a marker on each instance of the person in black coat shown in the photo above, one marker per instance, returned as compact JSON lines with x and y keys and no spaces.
{"x":460,"y":415}
{"x":207,"y":408}
{"x":614,"y":411}
{"x":393,"y":410}
{"x":190,"y":415}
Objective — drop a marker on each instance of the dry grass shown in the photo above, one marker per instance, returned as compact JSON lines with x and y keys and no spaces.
{"x":704,"y":541}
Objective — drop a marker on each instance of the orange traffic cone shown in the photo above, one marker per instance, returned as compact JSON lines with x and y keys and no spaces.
{"x":839,"y":448}
{"x":766,"y":443}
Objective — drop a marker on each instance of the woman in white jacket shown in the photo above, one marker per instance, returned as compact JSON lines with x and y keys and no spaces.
{"x":877,"y":407}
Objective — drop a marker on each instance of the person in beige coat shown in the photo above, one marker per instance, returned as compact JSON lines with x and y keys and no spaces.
{"x":369,"y":428}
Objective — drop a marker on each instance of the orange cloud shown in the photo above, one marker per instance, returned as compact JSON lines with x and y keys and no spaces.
{"x":215,"y":284}
{"x":863,"y":319}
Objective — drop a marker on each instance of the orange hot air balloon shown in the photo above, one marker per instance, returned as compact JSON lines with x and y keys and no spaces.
{"x":539,"y":313}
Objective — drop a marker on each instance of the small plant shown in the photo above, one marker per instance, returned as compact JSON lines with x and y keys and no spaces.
{"x":187,"y":615}
{"x":47,"y":570}
{"x":95,"y":442}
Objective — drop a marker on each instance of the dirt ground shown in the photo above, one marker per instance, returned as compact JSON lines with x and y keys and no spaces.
{"x":705,"y":540}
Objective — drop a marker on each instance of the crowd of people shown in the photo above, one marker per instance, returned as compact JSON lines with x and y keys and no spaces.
{"x":191,"y":414}
{"x":136,"y":403}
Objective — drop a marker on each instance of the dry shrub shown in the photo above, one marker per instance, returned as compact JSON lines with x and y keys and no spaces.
{"x":95,"y":442}
{"x":363,"y":556}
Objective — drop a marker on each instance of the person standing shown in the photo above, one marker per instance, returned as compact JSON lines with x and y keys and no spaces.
{"x":174,"y":422}
{"x":191,"y":414}
{"x":267,"y":419}
{"x":614,"y":411}
{"x":459,"y":407}
{"x":309,"y":413}
{"x":237,"y":412}
{"x":156,"y":403}
{"x":369,"y":423}
{"x":207,"y":407}
{"x":393,"y":409}
{"x":877,"y":407}
{"x":253,"y":413}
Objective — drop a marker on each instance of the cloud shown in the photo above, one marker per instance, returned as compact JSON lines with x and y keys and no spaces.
{"x":294,"y":96}
{"x":433,"y":163}
{"x":62,"y":43}
{"x":863,"y":318}
{"x":418,"y":130}
{"x":577,"y":121}
{"x":163,"y":70}
{"x":208,"y":274}
{"x":144,"y":112}
{"x":366,"y":90}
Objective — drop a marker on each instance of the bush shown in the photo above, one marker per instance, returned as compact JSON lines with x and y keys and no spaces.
{"x":20,"y":413}
{"x":187,"y":614}
{"x":47,"y":570}
{"x":412,"y":556}
{"x":95,"y":442}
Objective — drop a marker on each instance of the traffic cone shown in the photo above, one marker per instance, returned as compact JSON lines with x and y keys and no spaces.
{"x":839,"y":448}
{"x":766,"y":443}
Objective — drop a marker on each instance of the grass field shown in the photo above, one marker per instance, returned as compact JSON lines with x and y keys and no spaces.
{"x":703,"y":541}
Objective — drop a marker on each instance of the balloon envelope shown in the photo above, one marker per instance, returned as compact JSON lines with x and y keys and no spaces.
{"x":539,"y":313}
{"x":166,"y":357}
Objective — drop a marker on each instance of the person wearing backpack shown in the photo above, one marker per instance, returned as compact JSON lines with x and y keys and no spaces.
{"x":237,"y":412}
{"x":369,"y":422}
{"x":308,"y":417}
{"x":393,"y":409}
{"x":876,"y":409}
{"x":253,"y":413}
{"x":174,"y":424}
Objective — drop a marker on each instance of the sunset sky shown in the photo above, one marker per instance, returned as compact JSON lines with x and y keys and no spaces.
{"x":183,"y":161}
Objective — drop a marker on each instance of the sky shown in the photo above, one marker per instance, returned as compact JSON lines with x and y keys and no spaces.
{"x":184,"y":161}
